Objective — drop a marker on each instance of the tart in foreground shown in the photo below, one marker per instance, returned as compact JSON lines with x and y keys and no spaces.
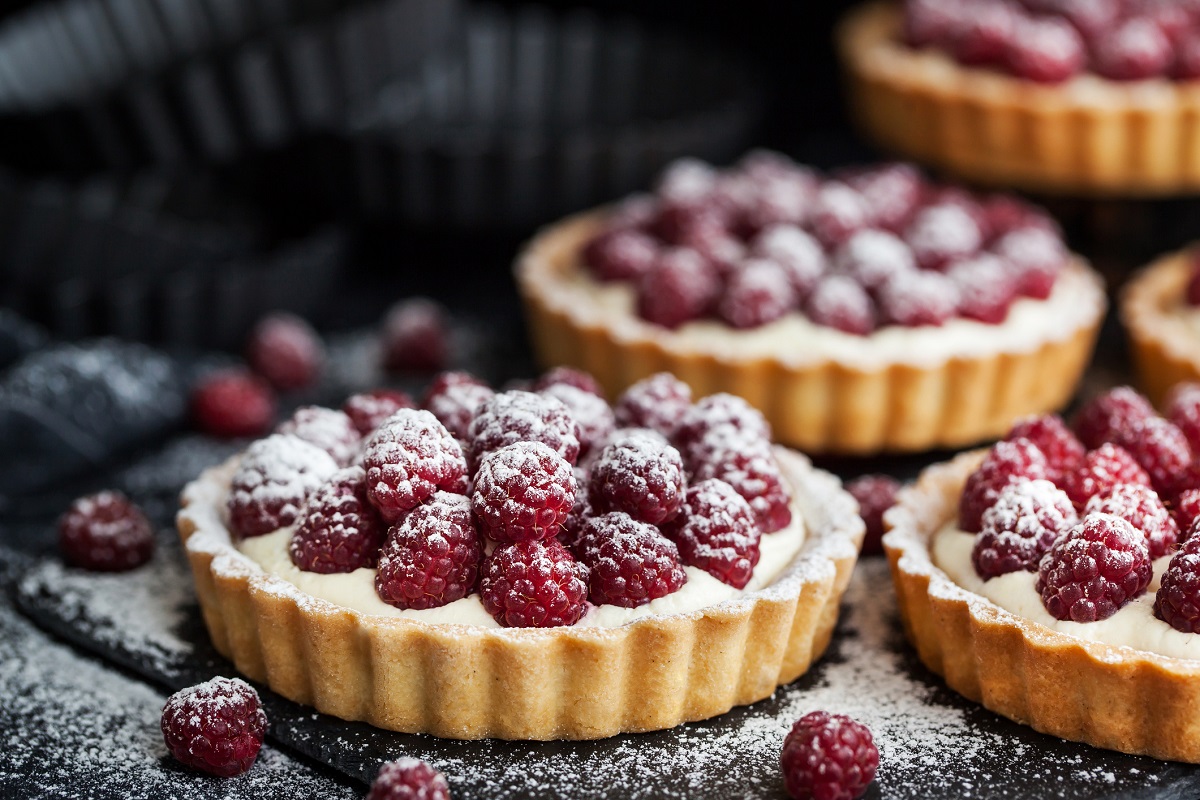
{"x":1160,"y":313}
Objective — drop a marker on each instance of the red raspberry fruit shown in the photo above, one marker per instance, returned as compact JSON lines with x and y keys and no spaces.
{"x":621,"y":255}
{"x":988,"y":35}
{"x":105,"y":532}
{"x":1187,"y":68}
{"x":1159,"y":448}
{"x":1020,"y":527}
{"x":1140,"y":507}
{"x":533,"y":585}
{"x":286,"y":351}
{"x":571,"y":377}
{"x":717,"y":532}
{"x":273,"y":482}
{"x":751,"y":469}
{"x":581,"y":511}
{"x":943,"y":233}
{"x":893,"y":194}
{"x":590,"y":411}
{"x":875,"y":495}
{"x":233,"y":403}
{"x":1178,"y":600}
{"x":516,"y":416}
{"x":657,"y":403}
{"x":986,"y":288}
{"x":368,"y":410}
{"x":432,"y":555}
{"x":1183,"y":410}
{"x":1037,"y":255}
{"x":332,"y":431}
{"x":1192,"y":293}
{"x":1094,"y":570}
{"x":216,"y":726}
{"x":1006,"y":462}
{"x":873,"y":258}
{"x":1133,"y":51}
{"x":455,"y":398}
{"x":1098,"y":421}
{"x":838,"y":302}
{"x":409,"y":458}
{"x":1064,"y":453}
{"x":680,"y":287}
{"x":629,"y":562}
{"x":718,"y":415}
{"x":416,"y":336}
{"x":1046,"y":50}
{"x":640,"y":474}
{"x":758,"y":292}
{"x":339,"y":531}
{"x":523,"y":492}
{"x":797,"y":252}
{"x":920,"y":299}
{"x":828,"y":757}
{"x":1103,"y":468}
{"x":409,"y":779}
{"x":932,"y":22}
{"x":838,"y":213}
{"x":1186,"y":510}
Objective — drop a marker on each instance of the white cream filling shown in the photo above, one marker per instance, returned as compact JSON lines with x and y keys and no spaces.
{"x":1133,"y":626}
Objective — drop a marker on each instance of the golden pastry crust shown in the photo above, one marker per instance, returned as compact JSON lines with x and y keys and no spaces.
{"x":818,"y":406}
{"x":468,"y":682}
{"x":1112,"y":697}
{"x":1088,"y":136}
{"x":1165,"y":349}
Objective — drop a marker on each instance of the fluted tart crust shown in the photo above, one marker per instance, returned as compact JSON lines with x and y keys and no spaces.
{"x":1165,"y":346}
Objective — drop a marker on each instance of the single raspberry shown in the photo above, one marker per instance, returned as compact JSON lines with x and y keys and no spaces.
{"x":1003,"y":213}
{"x":1183,"y":410}
{"x":1159,"y":448}
{"x":1026,"y":519}
{"x":988,"y":34}
{"x":273,"y":482}
{"x":105,"y":532}
{"x":873,"y":258}
{"x":828,"y":757}
{"x":657,"y":403}
{"x":431,"y":556}
{"x":640,"y":474}
{"x":758,"y":292}
{"x":629,"y":562}
{"x":1098,"y":421}
{"x":409,"y":779}
{"x":797,"y":252}
{"x":1187,"y":68}
{"x":1103,"y":468}
{"x":716,"y":531}
{"x":785,"y":198}
{"x":923,"y":298}
{"x":943,"y":233}
{"x":1094,"y":570}
{"x":1186,"y":509}
{"x":1046,"y":50}
{"x":339,"y":530}
{"x":455,"y":398}
{"x":893,"y":194}
{"x":416,"y":336}
{"x":332,"y":431}
{"x":1005,"y":463}
{"x":233,"y":403}
{"x":534,"y":585}
{"x":686,"y":180}
{"x":581,"y":511}
{"x":516,"y":416}
{"x":591,"y":413}
{"x":286,"y":351}
{"x":368,"y":410}
{"x":1133,"y":51}
{"x":875,"y":495}
{"x":1064,"y":453}
{"x":216,"y":726}
{"x":570,"y":376}
{"x":621,"y":255}
{"x":523,"y":491}
{"x":1091,"y":18}
{"x":409,"y":458}
{"x":692,"y":224}
{"x":711,"y":417}
{"x":751,"y":469}
{"x":1037,"y":255}
{"x":986,"y":288}
{"x":839,"y":302}
{"x":1178,"y":600}
{"x":838,"y":213}
{"x":1140,"y":507}
{"x":680,"y":287}
{"x":932,"y":22}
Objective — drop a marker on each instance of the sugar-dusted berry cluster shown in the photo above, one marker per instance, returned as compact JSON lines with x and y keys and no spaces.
{"x":543,"y":502}
{"x":1051,"y":41}
{"x":1090,"y":510}
{"x":855,"y":251}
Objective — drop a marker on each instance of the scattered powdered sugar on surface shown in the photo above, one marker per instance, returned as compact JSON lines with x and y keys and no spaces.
{"x":176,"y":464}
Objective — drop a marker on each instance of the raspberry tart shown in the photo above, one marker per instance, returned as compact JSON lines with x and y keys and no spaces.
{"x":1059,"y":96}
{"x":1059,"y":585}
{"x":1160,"y":310}
{"x":502,"y":581}
{"x":866,"y":311}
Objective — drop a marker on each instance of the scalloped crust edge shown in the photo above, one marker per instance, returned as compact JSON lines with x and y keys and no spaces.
{"x":465,"y":682}
{"x":1115,"y":698}
{"x":1163,"y":354}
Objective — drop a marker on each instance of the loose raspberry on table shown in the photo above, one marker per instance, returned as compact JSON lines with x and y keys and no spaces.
{"x":332,"y":431}
{"x":368,"y":410}
{"x":431,"y":556}
{"x":216,"y":726}
{"x":455,"y":398}
{"x":623,"y":254}
{"x":339,"y":530}
{"x":1178,"y":600}
{"x":680,"y":287}
{"x":516,"y":416}
{"x":758,"y":292}
{"x":1094,"y":570}
{"x":105,"y":532}
{"x":523,"y":492}
{"x":591,"y":413}
{"x":875,"y":495}
{"x":1159,"y":448}
{"x":233,"y":403}
{"x":873,"y":258}
{"x":657,"y":403}
{"x":1103,"y":468}
{"x":716,"y":414}
{"x":796,"y":251}
{"x":1134,"y":50}
{"x":286,"y":351}
{"x":1140,"y":507}
{"x":1046,"y":50}
{"x":630,"y":563}
{"x":407,"y":459}
{"x":838,"y":213}
{"x":841,"y":303}
{"x":986,"y":288}
{"x":1037,"y":255}
{"x":828,"y":757}
{"x":1099,"y":420}
{"x":751,"y":469}
{"x":919,"y":299}
{"x":416,"y":336}
{"x":640,"y":474}
{"x":535,"y":584}
{"x":716,"y":531}
{"x":409,"y":779}
{"x":571,"y":377}
{"x":1005,"y":463}
{"x":943,"y":233}
{"x":1064,"y":453}
{"x":1183,"y":410}
{"x":273,"y":482}
{"x":1026,"y":519}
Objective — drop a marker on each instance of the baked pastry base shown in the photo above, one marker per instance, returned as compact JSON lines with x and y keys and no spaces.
{"x":466,"y":682}
{"x":1165,"y":350}
{"x":1088,"y":136}
{"x":1112,"y":697}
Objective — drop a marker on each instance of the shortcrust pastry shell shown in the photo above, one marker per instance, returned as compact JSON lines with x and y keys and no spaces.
{"x":821,"y":406}
{"x":467,"y":682}
{"x":1089,"y":136}
{"x":1112,"y":697}
{"x":1165,"y":352}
